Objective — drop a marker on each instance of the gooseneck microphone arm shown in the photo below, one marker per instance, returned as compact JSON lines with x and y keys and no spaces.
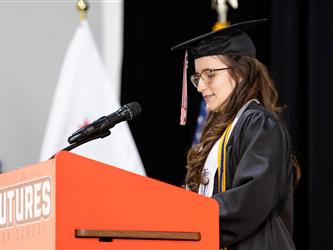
{"x":88,"y":139}
{"x":101,"y":127}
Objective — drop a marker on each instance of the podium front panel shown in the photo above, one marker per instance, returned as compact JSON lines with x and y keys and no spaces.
{"x":92,"y":195}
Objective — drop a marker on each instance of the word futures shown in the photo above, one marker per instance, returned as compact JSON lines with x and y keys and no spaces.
{"x":25,"y":202}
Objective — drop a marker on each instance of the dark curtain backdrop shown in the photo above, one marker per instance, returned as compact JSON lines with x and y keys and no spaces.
{"x":296,"y":45}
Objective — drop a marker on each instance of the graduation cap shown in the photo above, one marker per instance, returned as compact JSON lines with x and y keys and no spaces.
{"x":231,"y":40}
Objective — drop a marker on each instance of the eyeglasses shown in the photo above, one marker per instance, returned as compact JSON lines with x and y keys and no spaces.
{"x":206,"y":75}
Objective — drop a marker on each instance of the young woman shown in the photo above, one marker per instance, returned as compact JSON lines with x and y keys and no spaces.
{"x":243,"y":159}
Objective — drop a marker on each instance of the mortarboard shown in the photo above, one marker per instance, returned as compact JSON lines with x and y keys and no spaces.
{"x":231,"y":40}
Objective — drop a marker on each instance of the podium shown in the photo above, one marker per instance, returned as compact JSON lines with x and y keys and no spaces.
{"x":72,"y":202}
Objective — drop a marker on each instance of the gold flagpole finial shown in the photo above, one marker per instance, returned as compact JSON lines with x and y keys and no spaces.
{"x":82,"y":7}
{"x":221,"y":6}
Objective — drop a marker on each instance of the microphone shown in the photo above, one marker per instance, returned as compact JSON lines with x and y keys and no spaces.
{"x":101,"y":126}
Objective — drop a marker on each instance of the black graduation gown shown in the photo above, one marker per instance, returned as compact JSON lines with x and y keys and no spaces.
{"x":256,"y":210}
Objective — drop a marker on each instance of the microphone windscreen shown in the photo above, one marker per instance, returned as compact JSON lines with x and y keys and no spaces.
{"x":134,"y":108}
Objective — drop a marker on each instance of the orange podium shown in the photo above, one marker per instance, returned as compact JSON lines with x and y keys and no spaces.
{"x":72,"y":202}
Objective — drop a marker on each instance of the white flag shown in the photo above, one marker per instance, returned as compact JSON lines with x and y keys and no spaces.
{"x":83,"y":94}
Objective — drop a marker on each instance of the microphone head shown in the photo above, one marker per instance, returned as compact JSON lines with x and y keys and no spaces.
{"x":134,"y":109}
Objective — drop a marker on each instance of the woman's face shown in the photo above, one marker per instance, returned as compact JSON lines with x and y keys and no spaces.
{"x":217,"y":85}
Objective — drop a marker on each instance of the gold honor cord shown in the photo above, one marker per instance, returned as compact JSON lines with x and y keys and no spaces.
{"x":224,"y":142}
{"x":219,"y":160}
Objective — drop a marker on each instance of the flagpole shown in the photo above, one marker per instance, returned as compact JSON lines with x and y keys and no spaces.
{"x":82,"y":7}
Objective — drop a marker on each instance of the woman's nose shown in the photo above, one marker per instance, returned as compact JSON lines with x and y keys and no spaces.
{"x":201,"y":85}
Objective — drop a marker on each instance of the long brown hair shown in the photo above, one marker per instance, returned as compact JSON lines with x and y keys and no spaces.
{"x":252,"y":82}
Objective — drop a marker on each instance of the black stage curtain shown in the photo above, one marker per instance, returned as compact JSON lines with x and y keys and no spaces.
{"x":295,"y":44}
